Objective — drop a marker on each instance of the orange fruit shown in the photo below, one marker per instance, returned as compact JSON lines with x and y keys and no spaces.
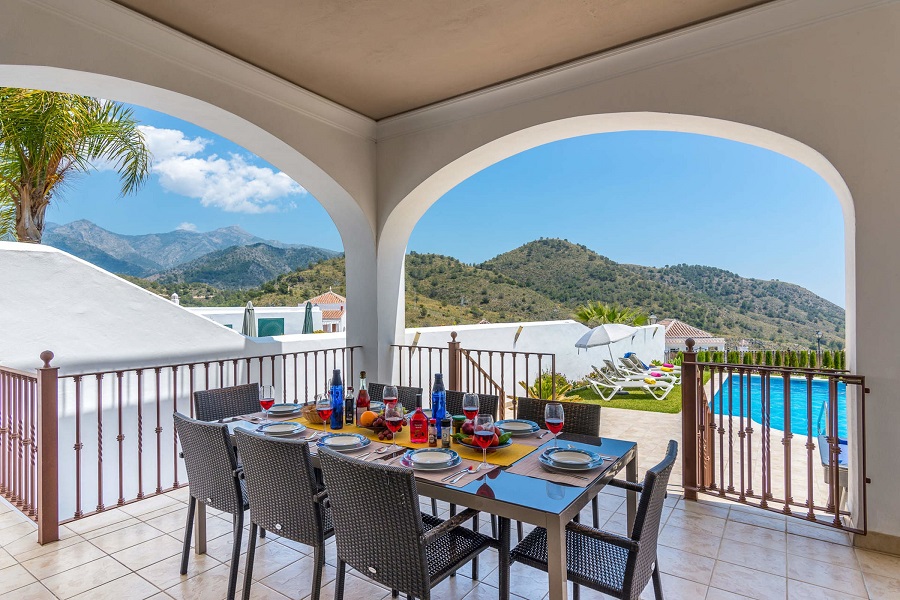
{"x":367,"y":418}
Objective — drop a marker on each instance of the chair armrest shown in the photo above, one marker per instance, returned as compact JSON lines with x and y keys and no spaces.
{"x":238,"y":473}
{"x":626,"y":485}
{"x":450,"y":524}
{"x":322,"y":498}
{"x":604,"y":536}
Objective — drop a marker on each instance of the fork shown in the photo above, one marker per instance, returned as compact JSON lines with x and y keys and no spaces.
{"x":468,"y":471}
{"x":312,"y":436}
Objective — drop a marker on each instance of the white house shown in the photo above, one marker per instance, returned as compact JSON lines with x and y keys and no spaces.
{"x":677,"y":333}
{"x":334,"y":314}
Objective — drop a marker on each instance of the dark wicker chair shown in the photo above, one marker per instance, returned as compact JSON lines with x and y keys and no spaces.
{"x":214,"y":480}
{"x":411,"y":556}
{"x":285,"y":498}
{"x":581,"y":418}
{"x":405,"y":395}
{"x":612,"y":564}
{"x":223,"y":403}
{"x":489,"y":403}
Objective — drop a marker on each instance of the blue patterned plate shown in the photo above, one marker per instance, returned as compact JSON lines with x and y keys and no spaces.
{"x":281,"y":429}
{"x":571,"y":459}
{"x":343,"y":442}
{"x":518,"y":426}
{"x":280,"y":410}
{"x":409,"y":459}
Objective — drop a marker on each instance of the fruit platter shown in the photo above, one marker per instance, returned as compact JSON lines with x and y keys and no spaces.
{"x":467,"y":438}
{"x":375,"y":421}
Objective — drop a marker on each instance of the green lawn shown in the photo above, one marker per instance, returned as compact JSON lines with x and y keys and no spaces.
{"x":634,"y":400}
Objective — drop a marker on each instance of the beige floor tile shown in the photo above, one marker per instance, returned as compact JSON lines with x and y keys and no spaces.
{"x":261,"y":592}
{"x":821,"y":550}
{"x":34,"y":591}
{"x":12,"y":517}
{"x":63,"y":559}
{"x":759,"y":536}
{"x":697,"y":522}
{"x":754,"y":557}
{"x":356,"y":588}
{"x":676,"y":588}
{"x":98,"y":521}
{"x":717,"y":594}
{"x":130,"y":586}
{"x":456,"y":588}
{"x":13,"y":578}
{"x":182,"y":494}
{"x":209,"y":585}
{"x":149,"y":505}
{"x":167,"y":573}
{"x":86,"y":577}
{"x":818,"y":532}
{"x":179,"y":507}
{"x":125,"y":538}
{"x":114,"y":526}
{"x":524,"y":581}
{"x":295,"y":580}
{"x":486,"y":592}
{"x":170,"y":522}
{"x":750,"y":582}
{"x":8,"y":535}
{"x":760,"y":519}
{"x":875,"y":562}
{"x":881,"y":587}
{"x":27,"y":548}
{"x":827,"y":575}
{"x":146,"y":553}
{"x":272,"y":557}
{"x":704,"y":508}
{"x":5,"y":559}
{"x":699,"y":543}
{"x":685,"y":564}
{"x":799,"y":590}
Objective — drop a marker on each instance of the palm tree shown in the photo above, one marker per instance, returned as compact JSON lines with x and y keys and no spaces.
{"x":46,"y":138}
{"x":597,"y":313}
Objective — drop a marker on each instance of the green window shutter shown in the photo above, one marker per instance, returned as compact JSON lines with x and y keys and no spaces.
{"x":269,"y":327}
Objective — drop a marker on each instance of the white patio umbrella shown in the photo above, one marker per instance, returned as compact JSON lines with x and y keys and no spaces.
{"x":249,"y":326}
{"x":604,"y":335}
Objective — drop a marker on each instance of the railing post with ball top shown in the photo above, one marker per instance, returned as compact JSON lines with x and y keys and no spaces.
{"x":689,"y":425}
{"x":454,"y":373}
{"x":48,"y":451}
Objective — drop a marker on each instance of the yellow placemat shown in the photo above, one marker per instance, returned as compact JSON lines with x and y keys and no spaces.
{"x":503,"y":458}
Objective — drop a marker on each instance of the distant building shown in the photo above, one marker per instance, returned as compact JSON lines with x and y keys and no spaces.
{"x":677,"y":333}
{"x":334,"y":315}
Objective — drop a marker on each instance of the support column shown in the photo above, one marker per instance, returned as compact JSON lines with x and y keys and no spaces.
{"x":48,"y":451}
{"x":689,"y":455}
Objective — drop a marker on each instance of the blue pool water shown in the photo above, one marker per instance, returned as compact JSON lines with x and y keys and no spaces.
{"x":731,"y":385}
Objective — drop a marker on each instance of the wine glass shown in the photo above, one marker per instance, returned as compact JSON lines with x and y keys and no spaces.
{"x":389,"y":396}
{"x":484,"y":434}
{"x":554,"y":419}
{"x":323,"y":407}
{"x":266,"y":398}
{"x":470,"y":405}
{"x":393,"y":418}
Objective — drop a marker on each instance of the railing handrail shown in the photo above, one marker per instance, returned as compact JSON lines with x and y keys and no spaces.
{"x":843,"y":374}
{"x":19,"y":372}
{"x":205,"y":362}
{"x":484,"y":373}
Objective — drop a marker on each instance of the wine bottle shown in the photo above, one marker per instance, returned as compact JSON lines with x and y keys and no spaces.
{"x":362,"y":398}
{"x":418,"y":424}
{"x":349,"y":406}
{"x":438,"y":401}
{"x":337,"y":400}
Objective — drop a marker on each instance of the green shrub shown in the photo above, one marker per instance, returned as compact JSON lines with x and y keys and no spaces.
{"x":777,"y":357}
{"x":827,"y":360}
{"x":748,"y":358}
{"x":803,"y":359}
{"x":679,"y":358}
{"x":769,"y":359}
{"x":795,"y":360}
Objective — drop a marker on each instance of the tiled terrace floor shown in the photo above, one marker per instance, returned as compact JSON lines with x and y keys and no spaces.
{"x":707,"y":550}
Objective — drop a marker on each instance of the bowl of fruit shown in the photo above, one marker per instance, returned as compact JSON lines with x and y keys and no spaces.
{"x":375,"y":421}
{"x":467,"y":438}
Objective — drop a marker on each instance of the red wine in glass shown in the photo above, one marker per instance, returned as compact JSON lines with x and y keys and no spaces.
{"x":266,"y":398}
{"x":394,"y":423}
{"x":554,"y":425}
{"x":484,"y":438}
{"x":471,"y":414}
{"x":324,"y":413}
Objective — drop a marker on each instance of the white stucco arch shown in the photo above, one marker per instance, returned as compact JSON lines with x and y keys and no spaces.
{"x":352,"y":224}
{"x":403,"y":218}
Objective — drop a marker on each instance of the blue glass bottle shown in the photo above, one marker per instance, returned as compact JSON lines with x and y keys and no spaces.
{"x":337,"y":400}
{"x":438,"y":401}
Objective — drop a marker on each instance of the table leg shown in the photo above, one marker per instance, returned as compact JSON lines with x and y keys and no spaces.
{"x":556,"y":558}
{"x":631,"y":475}
{"x":200,"y":529}
{"x":503,"y":536}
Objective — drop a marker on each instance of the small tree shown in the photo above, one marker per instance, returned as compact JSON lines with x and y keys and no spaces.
{"x":748,"y":358}
{"x":777,"y":357}
{"x":813,"y":359}
{"x":543,"y":386}
{"x":827,"y":360}
{"x":679,"y":358}
{"x":769,"y":359}
{"x":795,"y":360}
{"x":803,"y":359}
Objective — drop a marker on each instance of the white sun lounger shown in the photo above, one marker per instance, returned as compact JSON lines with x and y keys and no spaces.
{"x":607,"y":388}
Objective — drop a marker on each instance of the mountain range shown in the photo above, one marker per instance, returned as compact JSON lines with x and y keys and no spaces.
{"x":542,"y":280}
{"x":228,"y":257}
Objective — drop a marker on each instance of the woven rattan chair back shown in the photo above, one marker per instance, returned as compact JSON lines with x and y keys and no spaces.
{"x":639,"y":567}
{"x":580,"y":417}
{"x":405,"y":395}
{"x":281,"y":487}
{"x":222,"y":403}
{"x":377,"y":522}
{"x":210,"y":462}
{"x":488,"y":403}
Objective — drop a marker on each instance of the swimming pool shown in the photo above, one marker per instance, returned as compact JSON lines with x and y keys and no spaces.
{"x":776,"y":399}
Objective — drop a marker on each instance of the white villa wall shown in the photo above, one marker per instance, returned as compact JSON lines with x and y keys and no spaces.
{"x":233,"y":316}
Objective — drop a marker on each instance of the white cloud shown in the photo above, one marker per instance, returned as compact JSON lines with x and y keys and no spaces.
{"x":186,"y":227}
{"x":231,"y":184}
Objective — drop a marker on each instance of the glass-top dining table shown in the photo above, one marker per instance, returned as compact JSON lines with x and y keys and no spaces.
{"x":518,"y":497}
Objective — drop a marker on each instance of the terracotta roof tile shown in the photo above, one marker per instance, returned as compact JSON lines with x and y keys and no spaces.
{"x":332,"y":315}
{"x":328,"y":297}
{"x":676,"y":329}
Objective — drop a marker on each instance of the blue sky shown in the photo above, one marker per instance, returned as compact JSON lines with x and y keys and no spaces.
{"x":649,"y":198}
